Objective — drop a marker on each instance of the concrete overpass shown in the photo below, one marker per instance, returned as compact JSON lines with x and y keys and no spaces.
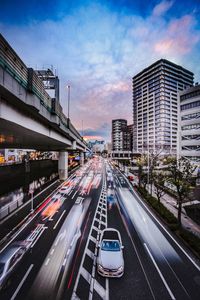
{"x":29,"y":117}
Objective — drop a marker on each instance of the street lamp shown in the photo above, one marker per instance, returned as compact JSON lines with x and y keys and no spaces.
{"x":68,"y":103}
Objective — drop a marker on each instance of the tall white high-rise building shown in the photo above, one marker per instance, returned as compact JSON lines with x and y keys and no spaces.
{"x":155,"y":105}
{"x":189,"y":120}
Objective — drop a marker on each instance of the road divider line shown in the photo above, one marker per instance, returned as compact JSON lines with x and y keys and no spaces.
{"x":39,"y":235}
{"x":52,"y":251}
{"x":160,"y":273}
{"x":74,"y":194}
{"x":59,"y":219}
{"x":47,"y":261}
{"x":22,"y":282}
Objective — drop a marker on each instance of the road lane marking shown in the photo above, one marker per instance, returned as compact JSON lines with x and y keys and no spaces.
{"x":74,"y":194}
{"x":86,"y":274}
{"x":47,"y":261}
{"x":159,"y":272}
{"x":107,"y":289}
{"x":64,"y":262}
{"x":59,"y":219}
{"x":22,"y":282}
{"x":90,"y":253}
{"x":26,"y":203}
{"x":99,"y":289}
{"x":34,"y":216}
{"x":60,"y":237}
{"x":70,"y":192}
{"x":39,"y":235}
{"x":52,"y":251}
{"x":82,"y":271}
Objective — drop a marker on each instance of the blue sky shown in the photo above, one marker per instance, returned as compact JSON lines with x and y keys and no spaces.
{"x":98,"y":46}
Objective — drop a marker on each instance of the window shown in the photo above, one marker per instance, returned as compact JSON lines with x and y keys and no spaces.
{"x":190,"y":105}
{"x":191,"y":116}
{"x":192,"y":126}
{"x":190,"y":95}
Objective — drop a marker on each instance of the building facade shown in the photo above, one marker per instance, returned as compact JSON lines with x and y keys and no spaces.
{"x":155,"y":105}
{"x":119,"y":126}
{"x":189,"y":120}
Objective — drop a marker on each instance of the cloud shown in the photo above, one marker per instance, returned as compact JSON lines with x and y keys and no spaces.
{"x":179,"y":37}
{"x":98,"y":51}
{"x":161,"y":8}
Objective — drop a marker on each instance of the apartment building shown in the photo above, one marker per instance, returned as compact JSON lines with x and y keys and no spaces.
{"x":155,"y":105}
{"x":119,"y":126}
{"x":189,"y":120}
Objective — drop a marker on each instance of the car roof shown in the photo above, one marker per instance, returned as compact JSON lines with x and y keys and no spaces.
{"x":110,"y":234}
{"x":8,"y":253}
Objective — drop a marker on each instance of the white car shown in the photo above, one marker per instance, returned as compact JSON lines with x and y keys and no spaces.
{"x":110,"y":261}
{"x":10,"y":259}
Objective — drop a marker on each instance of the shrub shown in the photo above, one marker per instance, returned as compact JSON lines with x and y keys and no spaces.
{"x":191,"y":239}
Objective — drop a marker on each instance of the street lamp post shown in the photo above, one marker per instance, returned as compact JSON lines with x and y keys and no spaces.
{"x":68,"y":103}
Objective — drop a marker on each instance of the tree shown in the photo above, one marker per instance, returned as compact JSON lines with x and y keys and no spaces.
{"x":180,"y":175}
{"x":142,"y":177}
{"x":159,"y":181}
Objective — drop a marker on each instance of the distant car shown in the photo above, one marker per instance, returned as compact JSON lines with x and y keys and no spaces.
{"x":9,"y":260}
{"x":110,"y":261}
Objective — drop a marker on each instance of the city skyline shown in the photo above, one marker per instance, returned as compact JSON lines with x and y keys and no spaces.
{"x":98,"y":46}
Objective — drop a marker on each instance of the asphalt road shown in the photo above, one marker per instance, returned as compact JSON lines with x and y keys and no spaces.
{"x":63,"y":234}
{"x":156,"y":266}
{"x":54,"y":233}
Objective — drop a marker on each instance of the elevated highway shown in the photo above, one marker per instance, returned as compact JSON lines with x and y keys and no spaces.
{"x":29,"y":117}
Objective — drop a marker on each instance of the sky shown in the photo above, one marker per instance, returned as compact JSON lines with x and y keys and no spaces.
{"x":96,"y":47}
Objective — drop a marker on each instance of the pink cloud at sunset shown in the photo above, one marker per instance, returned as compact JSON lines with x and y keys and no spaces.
{"x":179,"y":37}
{"x":162,"y":7}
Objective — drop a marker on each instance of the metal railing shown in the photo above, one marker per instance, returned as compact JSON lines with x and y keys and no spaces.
{"x":28,"y":78}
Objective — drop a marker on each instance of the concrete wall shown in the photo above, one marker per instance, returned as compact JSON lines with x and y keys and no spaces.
{"x":11,"y":172}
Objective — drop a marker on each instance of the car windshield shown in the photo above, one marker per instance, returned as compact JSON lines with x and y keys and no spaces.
{"x":110,"y":246}
{"x":1,"y":268}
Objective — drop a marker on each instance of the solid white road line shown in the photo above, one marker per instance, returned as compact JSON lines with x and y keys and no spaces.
{"x":39,"y":235}
{"x":159,"y":272}
{"x":107,"y":289}
{"x":59,"y":219}
{"x":22,"y":282}
{"x":74,"y":194}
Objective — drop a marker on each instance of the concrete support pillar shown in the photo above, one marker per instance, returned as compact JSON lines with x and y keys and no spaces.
{"x":126,"y":170}
{"x":63,"y":165}
{"x":82,"y":157}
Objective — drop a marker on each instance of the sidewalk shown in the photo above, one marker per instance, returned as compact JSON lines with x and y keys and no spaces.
{"x":170,"y":203}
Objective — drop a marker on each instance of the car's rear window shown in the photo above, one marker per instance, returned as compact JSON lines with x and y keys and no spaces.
{"x":110,"y":235}
{"x":110,"y":246}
